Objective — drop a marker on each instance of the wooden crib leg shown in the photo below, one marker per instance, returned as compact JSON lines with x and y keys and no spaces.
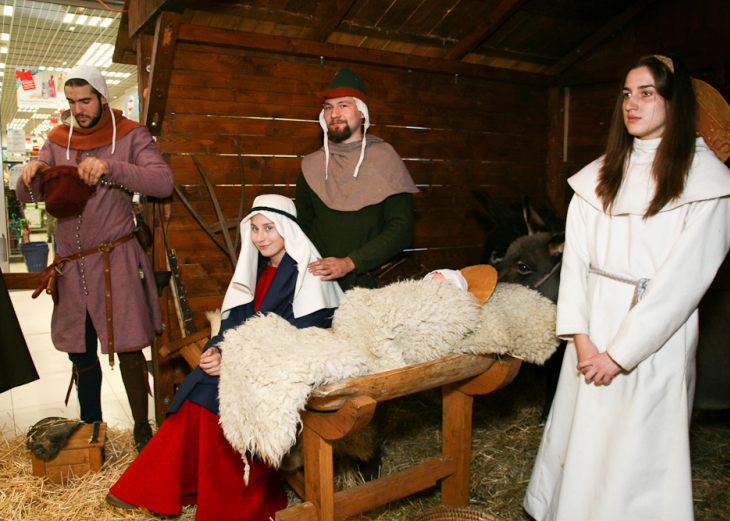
{"x":457,"y":413}
{"x":318,"y":474}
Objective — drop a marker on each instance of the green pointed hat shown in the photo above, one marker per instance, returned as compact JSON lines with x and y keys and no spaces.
{"x":345,"y":83}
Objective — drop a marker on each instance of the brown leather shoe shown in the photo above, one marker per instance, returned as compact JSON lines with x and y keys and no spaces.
{"x":119,"y":503}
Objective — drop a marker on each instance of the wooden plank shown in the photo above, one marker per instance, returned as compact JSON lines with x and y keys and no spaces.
{"x":143,"y":13}
{"x":395,"y":486}
{"x":497,"y":17}
{"x":331,"y":20}
{"x":457,"y":414}
{"x":221,"y":169}
{"x":556,"y":179}
{"x":144,"y":58}
{"x":600,"y":36}
{"x":124,"y":48}
{"x":318,"y":474}
{"x":351,"y":417}
{"x":399,"y":382}
{"x":191,"y":33}
{"x":163,"y":50}
{"x":498,"y":376}
{"x":21,"y":280}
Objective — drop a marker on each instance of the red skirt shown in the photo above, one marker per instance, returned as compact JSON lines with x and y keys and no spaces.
{"x":189,"y":461}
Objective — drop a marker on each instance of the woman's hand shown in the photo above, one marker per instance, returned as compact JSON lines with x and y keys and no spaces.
{"x":210,"y":361}
{"x":599,"y":369}
{"x":584,"y":348}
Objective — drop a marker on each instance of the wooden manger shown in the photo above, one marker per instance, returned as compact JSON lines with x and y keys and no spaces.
{"x":344,"y":407}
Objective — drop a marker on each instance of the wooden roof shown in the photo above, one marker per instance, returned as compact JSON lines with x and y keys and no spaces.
{"x":543,"y":36}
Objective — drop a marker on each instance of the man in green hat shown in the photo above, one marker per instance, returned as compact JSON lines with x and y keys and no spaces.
{"x":354,"y":195}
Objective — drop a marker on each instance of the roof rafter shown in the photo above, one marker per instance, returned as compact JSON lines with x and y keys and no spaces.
{"x":599,"y":36}
{"x":332,"y":20}
{"x":494,"y":21}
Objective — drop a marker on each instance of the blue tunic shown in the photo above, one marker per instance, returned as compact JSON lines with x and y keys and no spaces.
{"x":202,"y":388}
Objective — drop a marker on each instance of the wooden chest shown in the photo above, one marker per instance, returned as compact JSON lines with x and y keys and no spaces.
{"x":76,"y":458}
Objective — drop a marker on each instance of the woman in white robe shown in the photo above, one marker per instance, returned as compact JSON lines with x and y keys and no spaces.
{"x":616,"y":442}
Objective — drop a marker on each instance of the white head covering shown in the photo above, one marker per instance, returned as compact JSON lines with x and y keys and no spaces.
{"x":94,"y":78}
{"x":366,"y":114}
{"x":311,"y":293}
{"x":453,"y":276}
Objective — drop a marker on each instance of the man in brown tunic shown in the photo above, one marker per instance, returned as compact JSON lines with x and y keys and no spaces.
{"x":118,"y":157}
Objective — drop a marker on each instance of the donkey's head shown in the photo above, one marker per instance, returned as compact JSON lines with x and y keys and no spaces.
{"x":535,"y":248}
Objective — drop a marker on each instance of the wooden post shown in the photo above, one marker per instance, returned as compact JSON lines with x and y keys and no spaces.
{"x":319,"y":474}
{"x":556,"y":178}
{"x":457,"y":410}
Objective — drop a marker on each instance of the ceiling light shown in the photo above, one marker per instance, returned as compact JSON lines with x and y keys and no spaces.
{"x":94,"y":20}
{"x":41,"y":68}
{"x":107,"y":22}
{"x":8,"y":10}
{"x":5,"y":37}
{"x":81,"y":20}
{"x":2,"y":73}
{"x":71,"y":28}
{"x":127,"y":74}
{"x":51,"y":68}
{"x":68,"y":18}
{"x":3,"y":50}
{"x":104,"y":73}
{"x":67,"y":69}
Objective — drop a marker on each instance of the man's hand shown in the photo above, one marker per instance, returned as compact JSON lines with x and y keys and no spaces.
{"x":30,"y":170}
{"x":210,"y":361}
{"x":599,"y":369}
{"x":331,"y":268}
{"x":92,"y":169}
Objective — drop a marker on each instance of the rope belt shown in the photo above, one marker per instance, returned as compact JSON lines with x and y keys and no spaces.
{"x":47,"y":279}
{"x":640,"y":284}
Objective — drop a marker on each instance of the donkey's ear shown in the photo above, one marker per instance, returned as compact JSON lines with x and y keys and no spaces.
{"x":532,"y":219}
{"x":495,"y":258}
{"x":556,"y":244}
{"x":500,"y":213}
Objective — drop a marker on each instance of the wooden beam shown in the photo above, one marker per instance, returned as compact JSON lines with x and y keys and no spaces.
{"x":21,"y":280}
{"x":332,"y":19}
{"x":144,"y":59}
{"x":124,"y":50}
{"x":143,"y":13}
{"x":383,"y":33}
{"x":599,"y":36}
{"x":494,"y":21}
{"x":265,"y":14}
{"x":292,"y":46}
{"x":163,"y":50}
{"x":557,"y":126}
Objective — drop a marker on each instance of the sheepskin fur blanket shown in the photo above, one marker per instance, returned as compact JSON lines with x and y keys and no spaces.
{"x":270,"y":367}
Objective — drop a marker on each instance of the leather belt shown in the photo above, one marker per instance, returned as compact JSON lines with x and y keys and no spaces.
{"x":47,"y":281}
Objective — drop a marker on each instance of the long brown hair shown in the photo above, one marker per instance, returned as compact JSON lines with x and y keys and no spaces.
{"x":675,"y":152}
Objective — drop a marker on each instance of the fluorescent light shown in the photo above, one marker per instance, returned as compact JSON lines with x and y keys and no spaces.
{"x":94,"y":20}
{"x":5,"y":37}
{"x":104,"y":73}
{"x":8,"y":10}
{"x":67,"y":69}
{"x":2,"y":73}
{"x":51,"y":68}
{"x":41,"y":68}
{"x":68,"y":18}
{"x":81,"y":20}
{"x":3,"y":50}
{"x":127,"y":74}
{"x":2,"y":65}
{"x":107,"y":22}
{"x":71,"y":28}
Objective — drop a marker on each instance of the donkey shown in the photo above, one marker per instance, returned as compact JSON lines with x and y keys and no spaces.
{"x":526,"y":248}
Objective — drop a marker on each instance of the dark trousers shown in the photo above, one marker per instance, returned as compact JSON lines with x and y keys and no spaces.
{"x":88,"y":383}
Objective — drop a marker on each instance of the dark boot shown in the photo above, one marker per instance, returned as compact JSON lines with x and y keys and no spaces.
{"x":134,"y":375}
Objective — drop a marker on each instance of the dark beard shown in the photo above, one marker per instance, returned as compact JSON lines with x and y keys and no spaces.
{"x":96,"y":120}
{"x":338,"y":136}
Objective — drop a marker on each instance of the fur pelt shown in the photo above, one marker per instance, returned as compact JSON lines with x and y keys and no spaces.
{"x":406,"y":323}
{"x":515,"y":320}
{"x":47,"y":437}
{"x":270,"y":367}
{"x":214,"y":317}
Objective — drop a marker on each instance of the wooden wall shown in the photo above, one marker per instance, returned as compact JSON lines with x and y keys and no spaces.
{"x":455,"y":134}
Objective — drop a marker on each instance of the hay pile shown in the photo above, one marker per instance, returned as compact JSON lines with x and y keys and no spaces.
{"x":506,"y":434}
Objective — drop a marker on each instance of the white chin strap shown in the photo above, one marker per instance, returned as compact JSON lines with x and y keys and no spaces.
{"x":366,"y":114}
